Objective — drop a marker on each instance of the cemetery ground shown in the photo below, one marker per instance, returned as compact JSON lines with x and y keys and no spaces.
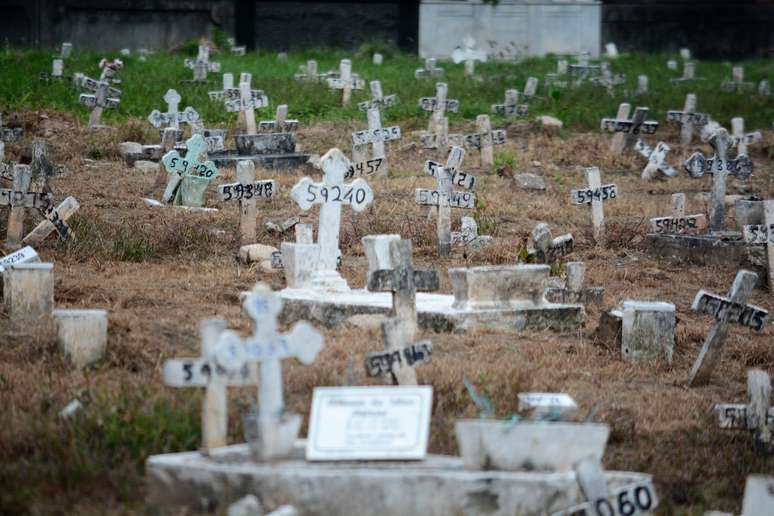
{"x":160,"y":271}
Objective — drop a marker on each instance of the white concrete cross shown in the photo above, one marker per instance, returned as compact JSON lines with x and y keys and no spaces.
{"x":246,"y":190}
{"x":438,"y":105}
{"x":228,"y":85}
{"x":742,"y":139}
{"x":629,"y":129}
{"x":280,"y":124}
{"x":19,"y":198}
{"x":511,"y":106}
{"x":377,"y":58}
{"x":656,"y":159}
{"x":401,"y":354}
{"x":346,"y":82}
{"x":607,"y":79}
{"x":688,"y":117}
{"x":547,"y":249}
{"x":725,"y":310}
{"x":173,"y":117}
{"x":737,"y":82}
{"x":376,"y":135}
{"x":430,"y":70}
{"x":594,"y":195}
{"x":689,"y":73}
{"x":757,"y":416}
{"x":307,"y":72}
{"x":247,"y":103}
{"x":678,"y":222}
{"x":378,"y":99}
{"x":720,"y":167}
{"x":468,"y":53}
{"x":55,"y":220}
{"x":468,"y":235}
{"x":332,"y":194}
{"x":188,"y":169}
{"x":573,"y":291}
{"x":552,"y":79}
{"x":444,"y":198}
{"x":104,"y":97}
{"x":66,"y":50}
{"x":582,"y":68}
{"x":484,"y":139}
{"x":202,"y":64}
{"x":764,"y":234}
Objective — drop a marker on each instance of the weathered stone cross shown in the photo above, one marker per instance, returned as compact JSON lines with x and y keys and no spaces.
{"x":228,"y":86}
{"x":764,"y":234}
{"x":332,"y":193}
{"x":201,"y":65}
{"x":378,"y":99}
{"x":19,"y":198}
{"x":189,"y":176}
{"x":430,"y":70}
{"x":582,"y":68}
{"x":469,"y":55}
{"x":55,"y":220}
{"x":173,"y":117}
{"x":468,"y":235}
{"x":678,"y":222}
{"x":726,"y":310}
{"x":688,"y":117}
{"x":573,"y":290}
{"x":756,"y":416}
{"x":246,"y":190}
{"x":438,"y":105}
{"x":511,"y":106}
{"x":444,"y":198}
{"x":656,"y":159}
{"x":249,"y":100}
{"x":628,"y":129}
{"x":376,"y":135}
{"x":104,"y":97}
{"x":547,"y":249}
{"x":401,"y":353}
{"x":308,"y":72}
{"x":720,"y":167}
{"x":484,"y":139}
{"x":689,"y":73}
{"x":594,"y":196}
{"x":280,"y":124}
{"x":742,"y":139}
{"x":346,"y":82}
{"x":737,"y":81}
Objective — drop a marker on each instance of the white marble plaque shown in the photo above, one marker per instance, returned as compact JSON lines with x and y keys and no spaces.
{"x":369,"y":423}
{"x":23,"y":255}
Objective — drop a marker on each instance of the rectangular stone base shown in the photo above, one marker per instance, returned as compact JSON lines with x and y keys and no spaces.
{"x":434,"y":311}
{"x":725,"y":250}
{"x":272,"y":161}
{"x":437,"y":486}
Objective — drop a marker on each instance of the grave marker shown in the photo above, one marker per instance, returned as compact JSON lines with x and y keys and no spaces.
{"x":642,"y":85}
{"x":66,"y":50}
{"x":201,"y":65}
{"x":742,"y":139}
{"x":228,"y":87}
{"x":332,"y":193}
{"x":685,"y":53}
{"x":725,"y":310}
{"x":689,"y":73}
{"x":438,"y":105}
{"x":246,"y":190}
{"x":246,"y":104}
{"x":629,"y":129}
{"x":444,"y":198}
{"x":55,"y":219}
{"x":656,"y":159}
{"x":377,"y":58}
{"x":511,"y":106}
{"x":345,"y":82}
{"x":378,"y":99}
{"x":307,"y":72}
{"x":173,"y":117}
{"x":401,"y":352}
{"x":756,"y":416}
{"x":737,"y":82}
{"x":468,"y":235}
{"x":484,"y":140}
{"x":189,"y":175}
{"x":764,"y":234}
{"x":573,"y":290}
{"x":764,"y":88}
{"x":678,"y":222}
{"x":551,"y":406}
{"x":376,"y":135}
{"x":430,"y":70}
{"x":469,"y":54}
{"x":104,"y":97}
{"x":9,"y":134}
{"x":19,"y":198}
{"x":547,"y":249}
{"x":280,"y":124}
{"x":611,"y":50}
{"x":24,"y":255}
{"x":582,"y":68}
{"x":594,"y":196}
{"x":530,"y":88}
{"x":688,"y":117}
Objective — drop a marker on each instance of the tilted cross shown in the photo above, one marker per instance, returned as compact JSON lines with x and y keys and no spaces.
{"x":594,"y":196}
{"x":246,"y":190}
{"x":468,"y":235}
{"x":346,"y":82}
{"x":741,"y":138}
{"x":249,"y":100}
{"x":630,"y":129}
{"x":764,"y":234}
{"x":401,"y":352}
{"x":688,"y":117}
{"x":280,"y":124}
{"x":484,"y":139}
{"x":547,"y":249}
{"x":720,"y":167}
{"x":172,"y":117}
{"x":188,"y":173}
{"x":201,"y":65}
{"x":756,"y":416}
{"x":444,"y":198}
{"x":678,"y":222}
{"x":104,"y":97}
{"x":725,"y":310}
{"x":430,"y":70}
{"x":530,"y":88}
{"x":332,"y":193}
{"x":376,"y":135}
{"x":19,"y":198}
{"x":737,"y":81}
{"x":55,"y":220}
{"x":438,"y":105}
{"x":656,"y":159}
{"x":511,"y":106}
{"x":378,"y":99}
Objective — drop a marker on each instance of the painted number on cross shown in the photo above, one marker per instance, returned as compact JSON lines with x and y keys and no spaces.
{"x":587,"y":195}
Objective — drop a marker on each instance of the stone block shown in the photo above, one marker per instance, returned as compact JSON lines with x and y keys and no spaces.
{"x":272,"y":143}
{"x":648,"y":331}
{"x":256,"y":253}
{"x":300,"y":263}
{"x":128,"y":148}
{"x":28,"y":291}
{"x":146,"y":166}
{"x":491,"y":287}
{"x":758,"y":496}
{"x":529,"y":182}
{"x":82,"y":335}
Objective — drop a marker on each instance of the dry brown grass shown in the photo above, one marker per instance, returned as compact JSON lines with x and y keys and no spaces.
{"x":159,"y":272}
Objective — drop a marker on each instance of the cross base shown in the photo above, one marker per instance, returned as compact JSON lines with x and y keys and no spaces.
{"x":269,"y":437}
{"x":329,"y":280}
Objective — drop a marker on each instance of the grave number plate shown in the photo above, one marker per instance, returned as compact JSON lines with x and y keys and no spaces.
{"x":587,"y":195}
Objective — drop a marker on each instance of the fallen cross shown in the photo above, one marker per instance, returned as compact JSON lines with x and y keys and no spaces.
{"x":628,"y":129}
{"x":757,"y":416}
{"x":549,"y":250}
{"x":725,"y":310}
{"x":687,"y":118}
{"x":656,"y":160}
{"x":594,"y":196}
{"x":678,"y":222}
{"x":246,"y":190}
{"x":573,"y":290}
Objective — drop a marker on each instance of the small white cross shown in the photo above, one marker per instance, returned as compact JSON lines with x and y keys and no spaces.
{"x":678,"y":222}
{"x":104,"y":97}
{"x":346,"y":82}
{"x":173,"y":117}
{"x":742,"y":139}
{"x":332,"y":193}
{"x":438,"y":105}
{"x":688,"y":117}
{"x":430,"y":70}
{"x":756,"y":416}
{"x":280,"y":124}
{"x":376,"y":135}
{"x":689,"y":73}
{"x":629,"y":129}
{"x":737,"y":82}
{"x":656,"y":159}
{"x":19,"y":198}
{"x":594,"y":196}
{"x":307,"y":72}
{"x":468,"y":53}
{"x":484,"y":139}
{"x":246,"y":190}
{"x":468,"y":235}
{"x":511,"y":106}
{"x":378,"y":99}
{"x":201,"y":65}
{"x":247,"y":103}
